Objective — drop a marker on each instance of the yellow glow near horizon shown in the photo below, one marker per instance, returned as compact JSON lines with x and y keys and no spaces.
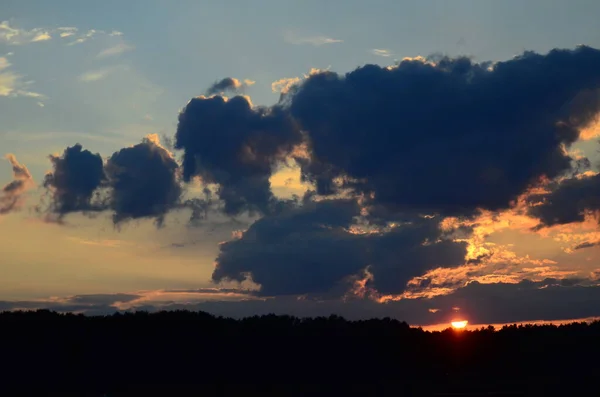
{"x":459,"y":324}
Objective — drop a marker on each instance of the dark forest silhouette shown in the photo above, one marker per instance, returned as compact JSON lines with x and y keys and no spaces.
{"x":195,"y":353}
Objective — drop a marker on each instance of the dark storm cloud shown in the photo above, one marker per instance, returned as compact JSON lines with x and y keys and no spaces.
{"x":11,"y":195}
{"x":143,"y":182}
{"x":450,"y":136}
{"x":237,"y":146}
{"x":569,"y":201}
{"x":313,"y":250}
{"x":228,"y":84}
{"x":76,"y":176}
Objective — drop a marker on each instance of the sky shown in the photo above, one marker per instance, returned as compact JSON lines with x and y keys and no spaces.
{"x":427,"y":161}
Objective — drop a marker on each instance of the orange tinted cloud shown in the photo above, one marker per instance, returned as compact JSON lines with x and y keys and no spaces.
{"x":11,"y":195}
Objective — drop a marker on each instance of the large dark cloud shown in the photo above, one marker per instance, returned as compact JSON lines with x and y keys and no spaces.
{"x":11,"y":195}
{"x":568,"y":201}
{"x":451,"y":136}
{"x":76,"y":176}
{"x":236,"y":146}
{"x":443,"y":137}
{"x":143,"y":182}
{"x":315,"y":249}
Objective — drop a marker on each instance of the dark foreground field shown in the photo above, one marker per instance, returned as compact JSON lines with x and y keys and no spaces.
{"x":196,"y":354}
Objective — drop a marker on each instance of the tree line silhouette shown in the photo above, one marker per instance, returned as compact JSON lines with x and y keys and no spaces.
{"x":195,"y":352}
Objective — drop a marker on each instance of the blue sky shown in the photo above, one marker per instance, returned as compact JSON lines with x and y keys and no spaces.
{"x":107,"y":73}
{"x":173,"y":52}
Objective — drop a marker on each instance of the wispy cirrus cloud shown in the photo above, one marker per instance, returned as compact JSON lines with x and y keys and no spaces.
{"x":95,"y":75}
{"x":381,"y":52}
{"x":83,"y":37}
{"x":115,"y":50}
{"x":12,"y":35}
{"x":318,"y":40}
{"x":12,"y":83}
{"x":15,"y":36}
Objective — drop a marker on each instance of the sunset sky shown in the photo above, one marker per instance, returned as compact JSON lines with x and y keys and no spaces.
{"x":428,"y":161}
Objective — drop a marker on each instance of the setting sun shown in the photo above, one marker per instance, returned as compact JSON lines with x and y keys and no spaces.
{"x":459,"y":324}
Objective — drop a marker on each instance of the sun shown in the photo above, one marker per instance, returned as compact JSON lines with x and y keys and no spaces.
{"x":459,"y":324}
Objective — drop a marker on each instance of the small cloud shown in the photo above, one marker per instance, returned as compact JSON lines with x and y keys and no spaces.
{"x":95,"y":75}
{"x":42,"y":36}
{"x":314,"y":71}
{"x":115,"y":33}
{"x":86,"y":36}
{"x":29,"y":94}
{"x":115,"y":50}
{"x":41,"y":104}
{"x":66,"y":31}
{"x":78,"y":41}
{"x":12,"y":194}
{"x":381,"y":52}
{"x":293,"y":38}
{"x":283,"y":85}
{"x":9,"y":34}
{"x":228,"y":84}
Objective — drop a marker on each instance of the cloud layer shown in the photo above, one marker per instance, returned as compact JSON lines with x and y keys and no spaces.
{"x":548,"y":300}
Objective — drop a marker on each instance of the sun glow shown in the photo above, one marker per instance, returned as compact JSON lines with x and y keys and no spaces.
{"x":459,"y":324}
